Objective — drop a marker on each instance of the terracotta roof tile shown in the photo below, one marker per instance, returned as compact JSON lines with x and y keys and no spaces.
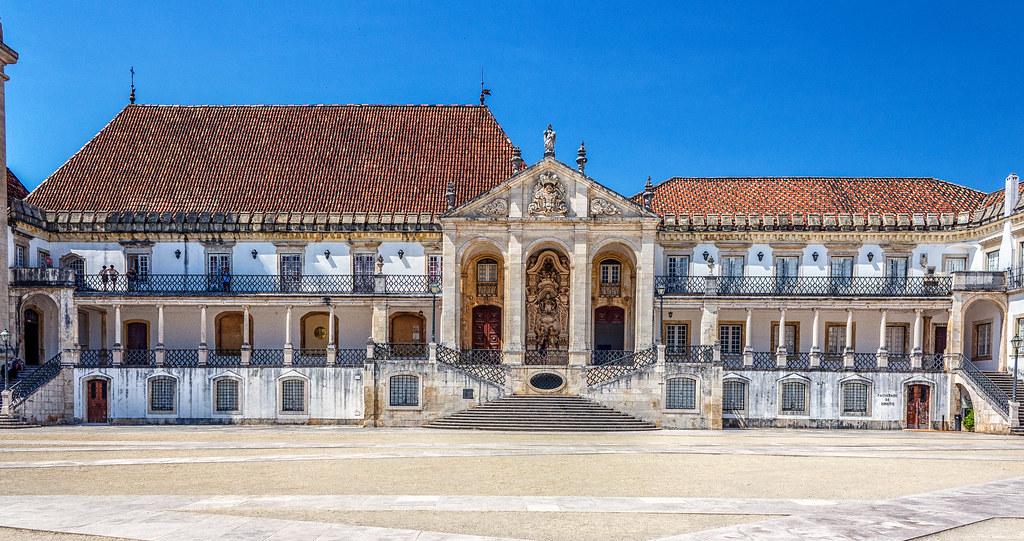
{"x":811,"y":195}
{"x":15,"y":189}
{"x":279,"y":158}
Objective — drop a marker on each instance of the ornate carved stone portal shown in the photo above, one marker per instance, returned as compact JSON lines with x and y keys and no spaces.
{"x":547,"y":301}
{"x":548,"y":196}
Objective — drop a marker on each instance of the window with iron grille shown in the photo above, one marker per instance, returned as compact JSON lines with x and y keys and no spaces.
{"x":227,"y":395}
{"x":734,"y":396}
{"x":855,"y":399}
{"x":78,"y":265}
{"x":681,"y":394}
{"x":794,"y":398}
{"x":161,"y":395}
{"x":293,"y":396}
{"x":404,"y":391}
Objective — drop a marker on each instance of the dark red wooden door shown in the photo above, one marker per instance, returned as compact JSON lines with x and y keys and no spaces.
{"x":96,"y":403}
{"x":940,"y":339}
{"x":917,"y":406}
{"x":486,"y":327}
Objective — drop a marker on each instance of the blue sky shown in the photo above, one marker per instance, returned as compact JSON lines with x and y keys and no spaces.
{"x":688,"y":89}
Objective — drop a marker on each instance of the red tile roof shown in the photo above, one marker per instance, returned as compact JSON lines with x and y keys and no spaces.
{"x":279,"y":158}
{"x":811,"y":195}
{"x":15,"y":189}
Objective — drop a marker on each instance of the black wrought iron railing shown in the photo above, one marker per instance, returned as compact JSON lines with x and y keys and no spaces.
{"x":934,"y":362}
{"x":732,"y":361}
{"x":899,"y":362}
{"x":400,"y":351}
{"x":224,"y":357}
{"x":312,"y":357}
{"x":610,"y":289}
{"x":691,"y":354}
{"x":482,"y":356}
{"x":819,"y":286}
{"x":490,"y":372}
{"x":487,"y":289}
{"x":181,"y":357}
{"x":549,"y":357}
{"x":250,"y":284}
{"x":605,"y":356}
{"x":682,"y":285}
{"x":94,"y":357}
{"x":138,"y":357}
{"x":996,"y":397}
{"x":865,"y":361}
{"x":267,"y":357}
{"x":1015,"y":279}
{"x":24,"y":387}
{"x":597,"y":374}
{"x":798,"y":361}
{"x":832,"y":362}
{"x":350,"y":357}
{"x":765,"y":360}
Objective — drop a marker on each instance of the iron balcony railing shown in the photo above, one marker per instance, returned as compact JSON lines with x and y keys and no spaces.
{"x":808,"y":286}
{"x":252,"y":284}
{"x":224,"y":357}
{"x":138,"y":357}
{"x":597,"y":374}
{"x":400,"y":351}
{"x":350,"y":357}
{"x":605,"y":356}
{"x":732,"y":361}
{"x":691,"y":354}
{"x":181,"y":357}
{"x":832,"y":362}
{"x":1015,"y":279}
{"x":266,"y":357}
{"x":24,"y":387}
{"x":798,"y":361}
{"x":94,"y":357}
{"x":313,"y":357}
{"x":865,"y":362}
{"x":479,"y":367}
{"x":997,"y":398}
{"x":899,"y":362}
{"x":544,"y":357}
{"x":482,"y":356}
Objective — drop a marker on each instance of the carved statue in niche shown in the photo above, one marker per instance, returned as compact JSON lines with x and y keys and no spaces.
{"x":547,"y":301}
{"x":548,"y":197}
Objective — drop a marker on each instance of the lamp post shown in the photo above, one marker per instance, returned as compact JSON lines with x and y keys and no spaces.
{"x":5,"y":335}
{"x":434,"y":288}
{"x":660,"y":289}
{"x":1016,"y":341}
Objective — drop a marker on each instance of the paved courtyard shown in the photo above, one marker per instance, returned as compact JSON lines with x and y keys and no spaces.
{"x":183,"y":483}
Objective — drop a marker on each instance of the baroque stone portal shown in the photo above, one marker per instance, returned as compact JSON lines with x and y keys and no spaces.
{"x":548,"y":196}
{"x":547,"y":301}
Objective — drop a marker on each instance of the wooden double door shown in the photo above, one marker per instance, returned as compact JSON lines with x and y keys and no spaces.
{"x":486,"y":327}
{"x":918,"y":406}
{"x":96,"y":401}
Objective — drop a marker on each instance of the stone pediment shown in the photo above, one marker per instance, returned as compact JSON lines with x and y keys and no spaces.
{"x":552,"y":190}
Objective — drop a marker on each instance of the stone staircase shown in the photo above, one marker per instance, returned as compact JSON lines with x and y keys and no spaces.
{"x":14,"y":422}
{"x":1005,"y":382}
{"x":542,"y":413}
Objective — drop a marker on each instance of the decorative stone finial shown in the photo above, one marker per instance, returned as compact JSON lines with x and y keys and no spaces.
{"x":648,"y":194}
{"x":449,"y":196}
{"x":581,"y":157}
{"x":549,"y":142}
{"x":517,"y":160}
{"x":131,"y":97}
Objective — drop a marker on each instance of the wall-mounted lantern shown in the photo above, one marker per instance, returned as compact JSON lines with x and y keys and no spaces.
{"x":871,"y":256}
{"x":254,"y":254}
{"x":760,"y":256}
{"x":177,"y":254}
{"x":705,"y":254}
{"x":327,"y":254}
{"x":401,"y":254}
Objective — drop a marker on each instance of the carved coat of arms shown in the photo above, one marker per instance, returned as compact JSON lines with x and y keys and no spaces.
{"x":548,"y":197}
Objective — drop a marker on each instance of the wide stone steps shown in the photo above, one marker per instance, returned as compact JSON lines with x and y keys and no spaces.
{"x":15,"y":422}
{"x":1004,"y":381}
{"x":542,"y":413}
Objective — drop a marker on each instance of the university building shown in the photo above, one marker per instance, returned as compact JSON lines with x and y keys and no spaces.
{"x":400,"y":265}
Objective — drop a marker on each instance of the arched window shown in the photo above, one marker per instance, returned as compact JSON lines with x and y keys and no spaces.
{"x":487,"y":271}
{"x":734,"y":396}
{"x":404,"y":391}
{"x":226,"y":396}
{"x":611,"y":272}
{"x":293,"y":396}
{"x":855,"y":398}
{"x":77,"y":264}
{"x":681,"y":394}
{"x":794,"y":398}
{"x":163,"y":391}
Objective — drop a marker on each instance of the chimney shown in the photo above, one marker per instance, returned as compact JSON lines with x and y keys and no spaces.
{"x":1010,"y":196}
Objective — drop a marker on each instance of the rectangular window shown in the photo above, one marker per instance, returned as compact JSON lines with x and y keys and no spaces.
{"x":794,"y":398}
{"x":954,"y":264}
{"x":44,"y":261}
{"x":434,"y":268}
{"x":787,"y":267}
{"x":792,"y":337}
{"x":676,"y":335}
{"x":161,"y":395}
{"x":362,"y":268}
{"x":983,"y":340}
{"x":227,"y":396}
{"x":855,"y":399}
{"x":896,"y":267}
{"x":404,"y":391}
{"x":217,"y":264}
{"x":140,"y":264}
{"x":835,"y":339}
{"x":992,"y":261}
{"x":677,"y":265}
{"x":842,"y":267}
{"x":732,"y":266}
{"x":681,"y":394}
{"x":734,"y":396}
{"x":731,"y":337}
{"x":487,"y":271}
{"x":610,"y":273}
{"x":896,"y":339}
{"x":19,"y":256}
{"x":293,"y":396}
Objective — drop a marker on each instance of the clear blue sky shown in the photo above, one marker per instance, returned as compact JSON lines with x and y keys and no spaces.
{"x":690,"y":89}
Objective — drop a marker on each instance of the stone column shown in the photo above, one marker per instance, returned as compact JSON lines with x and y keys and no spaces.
{"x":748,"y":339}
{"x":332,"y":348}
{"x":882,"y":353}
{"x":7,"y":56}
{"x":645,"y":271}
{"x":515,"y":284}
{"x":204,"y":351}
{"x":246,"y":346}
{"x":160,"y":356}
{"x":917,"y":354}
{"x":117,"y":354}
{"x":289,"y":350}
{"x":450,"y":269}
{"x":579,"y":350}
{"x":849,"y":350}
{"x":780,"y":340}
{"x":379,"y":323}
{"x":709,"y":325}
{"x":816,"y":339}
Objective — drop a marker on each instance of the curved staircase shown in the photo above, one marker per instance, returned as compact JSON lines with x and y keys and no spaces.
{"x":542,"y":413}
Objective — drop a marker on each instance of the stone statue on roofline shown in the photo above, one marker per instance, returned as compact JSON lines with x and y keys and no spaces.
{"x":549,"y":142}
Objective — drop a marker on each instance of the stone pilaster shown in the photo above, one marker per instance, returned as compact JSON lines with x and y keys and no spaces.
{"x":515,"y":287}
{"x":579,"y":305}
{"x":645,"y":290}
{"x":449,"y":295}
{"x":7,"y":56}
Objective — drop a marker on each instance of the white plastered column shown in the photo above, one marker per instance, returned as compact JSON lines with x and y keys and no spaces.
{"x":246,"y":346}
{"x":332,"y":348}
{"x":204,"y":351}
{"x":160,"y":355}
{"x":816,"y":338}
{"x":883,"y":352}
{"x":289,"y":349}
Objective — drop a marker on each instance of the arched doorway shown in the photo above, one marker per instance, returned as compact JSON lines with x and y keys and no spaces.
{"x":314,"y":329}
{"x":229,"y":333}
{"x":918,"y":406}
{"x":96,"y":392}
{"x":408,"y":328}
{"x":486,"y":327}
{"x":609,"y":328}
{"x":32,"y":338}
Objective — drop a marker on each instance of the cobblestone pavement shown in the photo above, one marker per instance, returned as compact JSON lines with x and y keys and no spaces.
{"x":193,"y":483}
